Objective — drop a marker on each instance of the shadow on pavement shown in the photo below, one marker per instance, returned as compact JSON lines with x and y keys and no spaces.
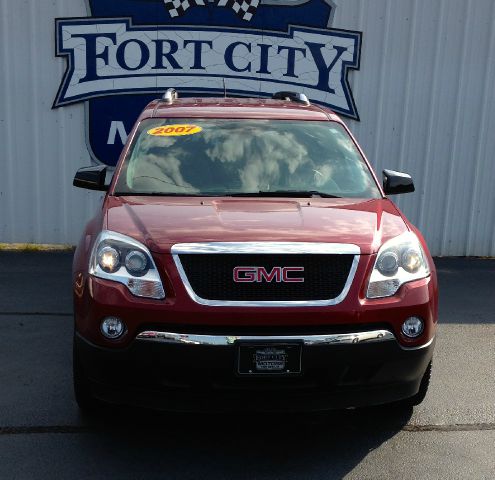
{"x":326,"y":445}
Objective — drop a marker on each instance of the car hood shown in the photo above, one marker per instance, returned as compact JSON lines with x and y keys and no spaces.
{"x":160,"y":222}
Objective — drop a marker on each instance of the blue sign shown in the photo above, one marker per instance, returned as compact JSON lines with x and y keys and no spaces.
{"x":130,"y":51}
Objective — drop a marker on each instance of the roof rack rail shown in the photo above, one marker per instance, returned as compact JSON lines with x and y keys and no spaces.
{"x":170,"y":95}
{"x":292,"y":97}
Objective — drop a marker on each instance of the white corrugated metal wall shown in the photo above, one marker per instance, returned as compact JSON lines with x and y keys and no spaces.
{"x":426,"y":97}
{"x":425,"y":94}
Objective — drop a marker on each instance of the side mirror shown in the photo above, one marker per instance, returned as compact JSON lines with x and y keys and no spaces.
{"x":395,"y":183}
{"x":92,"y":178}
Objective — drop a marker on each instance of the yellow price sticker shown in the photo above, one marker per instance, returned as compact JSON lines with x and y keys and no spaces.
{"x":175,"y":130}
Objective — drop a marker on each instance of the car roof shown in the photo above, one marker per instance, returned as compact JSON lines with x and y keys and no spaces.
{"x":248,"y":108}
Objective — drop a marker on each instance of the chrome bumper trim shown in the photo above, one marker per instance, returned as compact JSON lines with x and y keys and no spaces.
{"x":225,"y":340}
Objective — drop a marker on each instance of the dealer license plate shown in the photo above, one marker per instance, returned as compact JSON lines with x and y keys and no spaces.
{"x":269,"y":359}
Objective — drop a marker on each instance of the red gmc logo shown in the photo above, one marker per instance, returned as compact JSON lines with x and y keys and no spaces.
{"x":260,"y":274}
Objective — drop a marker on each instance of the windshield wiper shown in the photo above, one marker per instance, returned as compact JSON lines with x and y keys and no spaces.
{"x":261,"y":193}
{"x":162,"y":194}
{"x":284,"y":193}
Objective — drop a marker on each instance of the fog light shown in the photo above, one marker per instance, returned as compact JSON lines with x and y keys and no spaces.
{"x":413,"y":327}
{"x":112,"y":327}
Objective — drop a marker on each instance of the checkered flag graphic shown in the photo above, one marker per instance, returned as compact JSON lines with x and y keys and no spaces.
{"x":177,"y":8}
{"x":244,"y":9}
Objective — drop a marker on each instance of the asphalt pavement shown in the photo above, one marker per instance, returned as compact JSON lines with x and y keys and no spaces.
{"x":43,"y":435}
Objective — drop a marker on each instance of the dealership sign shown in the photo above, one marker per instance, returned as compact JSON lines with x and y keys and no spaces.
{"x":132,"y":50}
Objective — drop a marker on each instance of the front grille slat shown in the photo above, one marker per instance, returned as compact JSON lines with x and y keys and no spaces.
{"x":211,"y":276}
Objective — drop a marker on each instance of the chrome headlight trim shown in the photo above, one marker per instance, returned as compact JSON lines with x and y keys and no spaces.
{"x":148,"y":285}
{"x":383,"y":285}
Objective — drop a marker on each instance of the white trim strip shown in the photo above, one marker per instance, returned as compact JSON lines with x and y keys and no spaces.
{"x":285,"y":248}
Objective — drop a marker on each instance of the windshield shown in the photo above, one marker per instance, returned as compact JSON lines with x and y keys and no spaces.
{"x":244,"y":157}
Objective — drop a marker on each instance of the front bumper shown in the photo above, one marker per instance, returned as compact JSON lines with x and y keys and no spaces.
{"x":191,"y":372}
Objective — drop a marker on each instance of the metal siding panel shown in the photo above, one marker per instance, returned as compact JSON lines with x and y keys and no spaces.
{"x":6,"y":146}
{"x":424,"y":93}
{"x":472,"y":98}
{"x":459,"y":168}
{"x":36,"y":129}
{"x":481,"y":227}
{"x":442,"y":137}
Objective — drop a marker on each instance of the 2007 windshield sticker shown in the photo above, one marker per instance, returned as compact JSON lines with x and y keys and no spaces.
{"x":175,"y":130}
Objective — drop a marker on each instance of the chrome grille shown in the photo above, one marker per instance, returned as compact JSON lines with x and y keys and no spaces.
{"x":207,"y":272}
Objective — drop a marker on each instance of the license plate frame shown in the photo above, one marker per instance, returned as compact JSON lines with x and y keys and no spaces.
{"x":269,"y":359}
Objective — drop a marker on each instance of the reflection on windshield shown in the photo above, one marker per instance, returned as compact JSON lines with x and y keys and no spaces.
{"x":244,"y":156}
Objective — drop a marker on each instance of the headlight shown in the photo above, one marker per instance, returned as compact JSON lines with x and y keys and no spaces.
{"x":108,"y":259}
{"x":136,"y":263}
{"x":399,"y":261}
{"x":122,"y":259}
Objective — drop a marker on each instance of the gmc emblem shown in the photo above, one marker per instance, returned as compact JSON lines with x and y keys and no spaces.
{"x":260,"y":274}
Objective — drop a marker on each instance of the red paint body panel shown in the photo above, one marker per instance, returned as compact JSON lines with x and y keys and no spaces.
{"x":161,"y":222}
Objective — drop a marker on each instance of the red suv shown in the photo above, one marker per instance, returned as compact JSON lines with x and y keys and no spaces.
{"x":246,"y":257}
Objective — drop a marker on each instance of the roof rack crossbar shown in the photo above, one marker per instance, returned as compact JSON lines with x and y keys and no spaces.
{"x":292,"y":97}
{"x":170,"y":95}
